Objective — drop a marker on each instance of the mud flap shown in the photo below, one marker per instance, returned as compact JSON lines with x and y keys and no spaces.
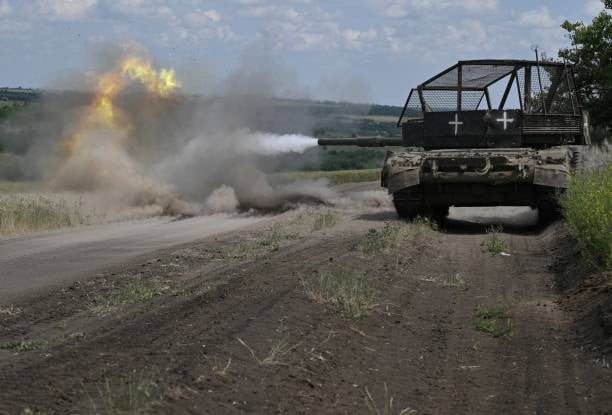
{"x":404,"y":179}
{"x":551,"y":176}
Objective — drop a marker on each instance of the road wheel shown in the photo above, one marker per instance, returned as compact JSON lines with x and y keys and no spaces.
{"x":408,"y":203}
{"x":439,"y":213}
{"x":407,"y":209}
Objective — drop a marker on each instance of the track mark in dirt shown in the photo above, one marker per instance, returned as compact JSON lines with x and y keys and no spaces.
{"x":238,"y":333}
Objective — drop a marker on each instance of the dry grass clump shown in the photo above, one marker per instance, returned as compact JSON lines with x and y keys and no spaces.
{"x":351,"y":294}
{"x":136,"y":395}
{"x":387,"y":407}
{"x":587,"y":208}
{"x":390,"y":236}
{"x":494,"y":243}
{"x":325,"y":219}
{"x":277,"y":355}
{"x":23,"y":212}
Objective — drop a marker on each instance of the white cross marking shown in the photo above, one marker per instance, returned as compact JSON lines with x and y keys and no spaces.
{"x":457,"y":123}
{"x":505,"y":120}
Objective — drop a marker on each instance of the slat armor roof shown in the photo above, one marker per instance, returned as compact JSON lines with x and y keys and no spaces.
{"x":539,"y":87}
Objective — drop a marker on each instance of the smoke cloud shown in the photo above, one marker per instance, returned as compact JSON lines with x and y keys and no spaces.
{"x":138,"y":142}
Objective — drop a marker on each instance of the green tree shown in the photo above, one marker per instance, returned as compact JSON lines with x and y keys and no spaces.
{"x":591,"y":53}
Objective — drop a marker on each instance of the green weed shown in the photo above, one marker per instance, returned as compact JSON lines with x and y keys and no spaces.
{"x":23,"y":345}
{"x":587,"y":208}
{"x":376,"y":241}
{"x":494,"y":243}
{"x":494,"y":321}
{"x":454,"y":281}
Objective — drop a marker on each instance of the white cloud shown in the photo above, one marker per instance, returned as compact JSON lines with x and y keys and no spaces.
{"x":5,"y":8}
{"x":403,"y":8}
{"x":355,"y":39}
{"x":593,"y":7}
{"x":539,"y":18}
{"x":66,"y":9}
{"x":391,"y":8}
{"x":471,"y":35}
{"x":203,"y":17}
{"x":272,"y":12}
{"x":212,"y":15}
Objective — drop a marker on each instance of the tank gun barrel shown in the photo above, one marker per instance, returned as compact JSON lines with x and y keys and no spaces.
{"x":362,"y":141}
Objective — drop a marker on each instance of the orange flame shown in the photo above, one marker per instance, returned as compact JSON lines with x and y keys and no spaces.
{"x":102,"y":110}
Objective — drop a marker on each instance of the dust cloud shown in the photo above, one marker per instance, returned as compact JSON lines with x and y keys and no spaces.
{"x":136,"y":143}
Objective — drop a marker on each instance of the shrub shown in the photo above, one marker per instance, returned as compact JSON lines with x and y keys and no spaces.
{"x":587,"y":207}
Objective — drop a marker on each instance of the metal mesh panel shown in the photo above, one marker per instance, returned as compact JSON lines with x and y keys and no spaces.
{"x":447,"y":100}
{"x":448,"y":79}
{"x":473,"y":76}
{"x":544,"y":86}
{"x":470,"y":100}
{"x":413,"y":109}
{"x":480,"y":76}
{"x":440,"y":100}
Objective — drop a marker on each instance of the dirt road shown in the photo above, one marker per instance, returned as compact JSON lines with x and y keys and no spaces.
{"x":37,"y":262}
{"x":255,"y":321}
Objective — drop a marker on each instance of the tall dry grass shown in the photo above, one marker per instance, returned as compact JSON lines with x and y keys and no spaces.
{"x":25,"y":212}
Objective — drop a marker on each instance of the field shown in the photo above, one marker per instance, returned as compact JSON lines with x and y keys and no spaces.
{"x":318,"y":310}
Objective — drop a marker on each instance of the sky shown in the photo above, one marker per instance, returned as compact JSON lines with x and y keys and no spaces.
{"x":356,"y":50}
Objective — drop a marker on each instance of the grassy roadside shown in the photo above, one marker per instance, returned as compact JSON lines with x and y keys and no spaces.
{"x":26,"y":212}
{"x":587,"y":208}
{"x":335,"y":176}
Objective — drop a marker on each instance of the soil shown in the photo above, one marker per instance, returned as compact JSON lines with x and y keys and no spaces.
{"x":227,"y":325}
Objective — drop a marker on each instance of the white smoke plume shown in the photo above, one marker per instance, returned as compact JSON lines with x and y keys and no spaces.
{"x":273,"y":144}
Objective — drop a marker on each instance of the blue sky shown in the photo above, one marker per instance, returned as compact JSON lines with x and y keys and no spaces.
{"x":363,"y":50}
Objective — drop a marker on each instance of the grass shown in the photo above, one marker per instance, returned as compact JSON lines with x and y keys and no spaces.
{"x":277,"y":354}
{"x":377,"y":241}
{"x":10,"y":311}
{"x":494,"y":243}
{"x":337,"y":176}
{"x":494,"y":321}
{"x":351,"y":294}
{"x":135,"y":396}
{"x":587,"y":208}
{"x":139,"y":292}
{"x":23,"y":345}
{"x":387,"y":406}
{"x":14,"y":187}
{"x":273,"y":237}
{"x":135,"y":292}
{"x":454,"y":281}
{"x":20,"y":212}
{"x":326,"y":219}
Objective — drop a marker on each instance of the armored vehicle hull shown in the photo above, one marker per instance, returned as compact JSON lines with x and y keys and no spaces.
{"x":429,"y":182}
{"x":462,"y":149}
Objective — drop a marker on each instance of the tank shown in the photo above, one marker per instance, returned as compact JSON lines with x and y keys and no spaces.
{"x":485,"y":133}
